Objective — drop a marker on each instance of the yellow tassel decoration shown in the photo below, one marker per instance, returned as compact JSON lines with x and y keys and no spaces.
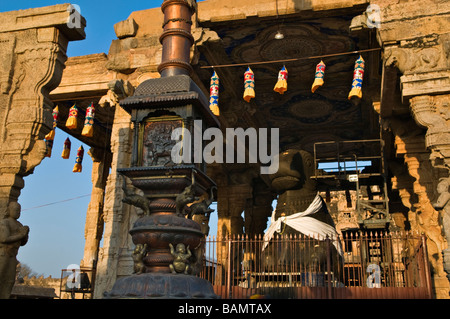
{"x":214,"y":95}
{"x":318,"y":79}
{"x":88,"y":129}
{"x":358,"y":75}
{"x":51,"y":134}
{"x":71,"y":122}
{"x":49,"y":147}
{"x":281,"y":85}
{"x":249,"y":85}
{"x":79,"y":160}
{"x":66,"y":150}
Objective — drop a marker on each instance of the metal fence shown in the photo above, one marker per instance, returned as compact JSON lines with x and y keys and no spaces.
{"x":370,"y":265}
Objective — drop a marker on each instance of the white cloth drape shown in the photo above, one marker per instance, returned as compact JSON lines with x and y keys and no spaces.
{"x":308,"y":226}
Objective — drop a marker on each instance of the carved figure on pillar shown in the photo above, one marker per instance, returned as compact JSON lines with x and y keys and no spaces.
{"x":181,"y":256}
{"x":138,"y":257}
{"x":186,"y":197}
{"x":443,"y":203}
{"x":202,"y":208}
{"x":133,"y":199}
{"x":12,"y":235}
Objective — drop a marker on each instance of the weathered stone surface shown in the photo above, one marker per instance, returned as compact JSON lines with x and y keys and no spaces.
{"x":414,"y":36}
{"x":33,"y":47}
{"x":126,"y":28}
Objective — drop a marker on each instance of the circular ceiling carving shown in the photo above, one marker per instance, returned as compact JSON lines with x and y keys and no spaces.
{"x":311,"y":110}
{"x":299,"y":46}
{"x":300,"y":40}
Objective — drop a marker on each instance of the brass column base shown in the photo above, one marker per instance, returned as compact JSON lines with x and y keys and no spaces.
{"x":161,"y":286}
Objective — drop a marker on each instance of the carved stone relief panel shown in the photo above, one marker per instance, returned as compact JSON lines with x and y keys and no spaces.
{"x":157,"y":142}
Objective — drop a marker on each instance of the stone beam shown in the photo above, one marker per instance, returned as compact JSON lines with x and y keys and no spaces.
{"x":84,"y":77}
{"x":33,"y":57}
{"x":58,"y":16}
{"x":215,"y":11}
{"x":33,"y":46}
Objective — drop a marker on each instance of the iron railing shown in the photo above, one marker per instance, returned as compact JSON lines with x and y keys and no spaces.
{"x":372,"y":265}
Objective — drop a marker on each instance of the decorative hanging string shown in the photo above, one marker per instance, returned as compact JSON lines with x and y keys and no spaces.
{"x":88,"y":129}
{"x":79,"y":160}
{"x":318,"y":78}
{"x":72,"y":122}
{"x":281,"y":85}
{"x":249,"y":85}
{"x":51,"y":134}
{"x":214,"y":94}
{"x":358,"y":75}
{"x":289,"y":60}
{"x":66,"y":150}
{"x":48,"y":148}
{"x":54,"y":203}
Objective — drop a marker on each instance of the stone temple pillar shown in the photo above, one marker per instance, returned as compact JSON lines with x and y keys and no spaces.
{"x":33,"y":46}
{"x":94,"y":217}
{"x":415,"y":36}
{"x":116,"y":214}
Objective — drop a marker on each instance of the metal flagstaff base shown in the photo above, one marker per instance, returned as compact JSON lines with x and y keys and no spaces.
{"x":161,"y":286}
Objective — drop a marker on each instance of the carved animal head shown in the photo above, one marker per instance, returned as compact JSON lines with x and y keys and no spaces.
{"x":295,"y":170}
{"x":396,"y":57}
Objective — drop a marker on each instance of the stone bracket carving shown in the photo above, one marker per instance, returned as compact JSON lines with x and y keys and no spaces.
{"x":432,"y":112}
{"x":7,"y":46}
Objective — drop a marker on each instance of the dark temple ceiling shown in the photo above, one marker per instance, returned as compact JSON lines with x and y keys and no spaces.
{"x":303,"y":117}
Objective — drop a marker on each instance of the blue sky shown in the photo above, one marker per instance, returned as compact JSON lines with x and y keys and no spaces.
{"x":57,"y":231}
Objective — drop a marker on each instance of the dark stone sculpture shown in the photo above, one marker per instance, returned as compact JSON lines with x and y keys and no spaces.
{"x":12,"y":235}
{"x":296,"y":192}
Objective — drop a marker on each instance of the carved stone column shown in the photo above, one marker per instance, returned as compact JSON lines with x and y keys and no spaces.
{"x":415,"y":37}
{"x":258,"y":210}
{"x":94,"y":217}
{"x":116,"y":214}
{"x":416,"y":181}
{"x":33,"y":47}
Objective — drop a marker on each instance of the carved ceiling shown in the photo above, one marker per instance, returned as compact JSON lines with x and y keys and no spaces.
{"x":303,"y":117}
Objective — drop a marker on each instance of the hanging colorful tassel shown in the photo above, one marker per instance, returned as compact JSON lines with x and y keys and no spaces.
{"x":358,"y":75}
{"x":71,"y":122}
{"x":214,"y":94}
{"x":249,"y":85}
{"x":281,"y":85}
{"x":88,"y":129}
{"x":66,"y":150}
{"x":79,"y":160}
{"x":318,"y":78}
{"x":49,"y":147}
{"x":51,"y":134}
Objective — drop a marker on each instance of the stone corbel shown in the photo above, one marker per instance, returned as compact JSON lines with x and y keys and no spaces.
{"x":423,"y":65}
{"x":118,"y":89}
{"x":7,"y":47}
{"x":432,"y":113}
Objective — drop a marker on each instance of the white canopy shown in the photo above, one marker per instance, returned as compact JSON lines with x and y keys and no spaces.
{"x":308,"y":226}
